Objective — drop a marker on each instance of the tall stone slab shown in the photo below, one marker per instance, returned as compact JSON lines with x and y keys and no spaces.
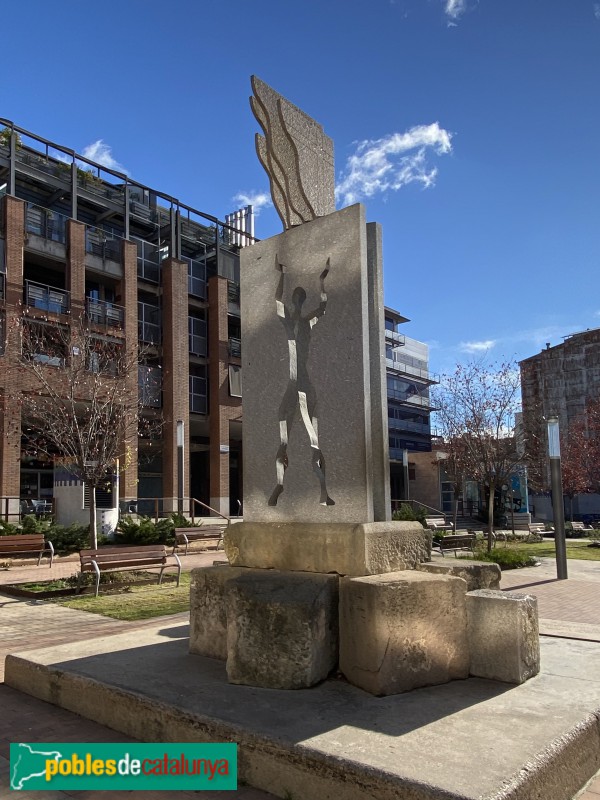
{"x":308,"y":326}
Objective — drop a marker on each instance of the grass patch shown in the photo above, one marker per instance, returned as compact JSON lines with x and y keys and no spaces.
{"x":506,"y":558}
{"x":536,"y":550}
{"x":138,"y":602}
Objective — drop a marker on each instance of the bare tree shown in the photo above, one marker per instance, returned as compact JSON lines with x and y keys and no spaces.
{"x":80,"y":401}
{"x":477,"y":406}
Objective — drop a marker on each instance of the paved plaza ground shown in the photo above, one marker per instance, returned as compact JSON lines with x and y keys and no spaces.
{"x":567,"y":609}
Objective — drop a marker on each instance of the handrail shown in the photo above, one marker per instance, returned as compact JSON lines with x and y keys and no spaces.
{"x":412,"y":503}
{"x":210,"y":508}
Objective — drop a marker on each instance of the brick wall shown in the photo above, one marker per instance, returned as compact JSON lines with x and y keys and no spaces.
{"x":175,"y":370}
{"x":222,"y":407}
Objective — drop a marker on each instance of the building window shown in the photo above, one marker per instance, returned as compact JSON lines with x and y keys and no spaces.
{"x":197,"y":336}
{"x":150,"y":386}
{"x":198,"y":391}
{"x":235,"y":380}
{"x":149,"y":323}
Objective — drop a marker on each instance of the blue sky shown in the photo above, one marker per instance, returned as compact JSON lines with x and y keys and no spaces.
{"x":469,"y":128}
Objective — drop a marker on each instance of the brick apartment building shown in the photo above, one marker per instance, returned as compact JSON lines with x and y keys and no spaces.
{"x":77,"y":238}
{"x":559,"y":381}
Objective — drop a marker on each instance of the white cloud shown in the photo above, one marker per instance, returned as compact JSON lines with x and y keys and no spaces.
{"x":379,"y":165}
{"x":258,"y":200}
{"x":455,"y":8}
{"x":597,"y":10}
{"x":477,"y":347}
{"x":101,"y":153}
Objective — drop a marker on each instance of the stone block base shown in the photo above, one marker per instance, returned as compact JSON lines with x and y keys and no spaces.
{"x":365,"y":549}
{"x":503,"y":635}
{"x":403,"y":630}
{"x":282,"y":628}
{"x":477,"y":574}
{"x":208,"y":615}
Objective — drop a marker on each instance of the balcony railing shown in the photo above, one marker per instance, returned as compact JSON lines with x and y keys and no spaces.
{"x":233,"y":292}
{"x":149,"y":257}
{"x":150,"y":386}
{"x":396,"y":338}
{"x":408,"y":369}
{"x":197,"y":336}
{"x":46,"y":223}
{"x":103,"y":244}
{"x":149,"y":329}
{"x":196,"y":277}
{"x":198,"y":404}
{"x":235,"y":347}
{"x":47,"y":298}
{"x":103,"y":313}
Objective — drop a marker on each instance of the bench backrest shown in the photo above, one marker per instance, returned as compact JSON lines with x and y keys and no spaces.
{"x":537,"y":526}
{"x":22,"y":543}
{"x":115,"y":557}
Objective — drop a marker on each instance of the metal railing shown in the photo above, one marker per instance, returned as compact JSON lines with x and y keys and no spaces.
{"x":150,"y":386}
{"x":101,"y":243}
{"x":46,"y":223}
{"x":198,"y":398}
{"x":197,"y":336}
{"x":149,"y":257}
{"x":408,"y":369}
{"x":397,"y":339}
{"x":233,"y":292}
{"x":155,"y":507}
{"x":196,"y":277}
{"x":149,"y":328}
{"x":103,"y":313}
{"x":416,"y":504}
{"x":47,"y":298}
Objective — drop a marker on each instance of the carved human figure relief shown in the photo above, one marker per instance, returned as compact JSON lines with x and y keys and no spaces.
{"x":300,"y":393}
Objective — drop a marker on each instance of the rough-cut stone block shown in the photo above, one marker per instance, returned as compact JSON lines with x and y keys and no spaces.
{"x":403,"y":630}
{"x":477,"y":574}
{"x":282,"y":628}
{"x":208,"y":616}
{"x":368,"y":549}
{"x":503,"y":635}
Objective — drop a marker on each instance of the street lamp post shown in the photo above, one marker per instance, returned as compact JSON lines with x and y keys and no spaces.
{"x":180,"y":453}
{"x":558,"y":508}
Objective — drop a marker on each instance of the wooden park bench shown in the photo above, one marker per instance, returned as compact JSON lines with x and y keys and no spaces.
{"x":438,"y":523}
{"x":579,"y":526}
{"x":207,"y":531}
{"x":120,"y":559}
{"x":26,"y":543}
{"x":456,"y":541}
{"x":537,"y":531}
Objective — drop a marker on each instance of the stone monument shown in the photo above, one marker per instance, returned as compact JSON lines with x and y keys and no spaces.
{"x":319,"y":576}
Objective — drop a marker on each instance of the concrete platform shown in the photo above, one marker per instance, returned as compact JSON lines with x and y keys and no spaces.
{"x":464,"y":740}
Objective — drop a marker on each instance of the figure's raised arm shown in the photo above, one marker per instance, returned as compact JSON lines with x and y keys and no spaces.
{"x":281,"y":309}
{"x":314,"y":316}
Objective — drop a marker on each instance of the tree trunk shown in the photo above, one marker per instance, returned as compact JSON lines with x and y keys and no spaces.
{"x":93,"y":531}
{"x":456,"y":498}
{"x":490,"y":542}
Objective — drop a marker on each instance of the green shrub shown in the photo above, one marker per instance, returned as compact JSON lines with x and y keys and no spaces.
{"x":144,"y":531}
{"x":68,"y":539}
{"x":181,"y":521}
{"x":6,"y":529}
{"x":505,"y":558}
{"x":31,"y":524}
{"x":406,"y":513}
